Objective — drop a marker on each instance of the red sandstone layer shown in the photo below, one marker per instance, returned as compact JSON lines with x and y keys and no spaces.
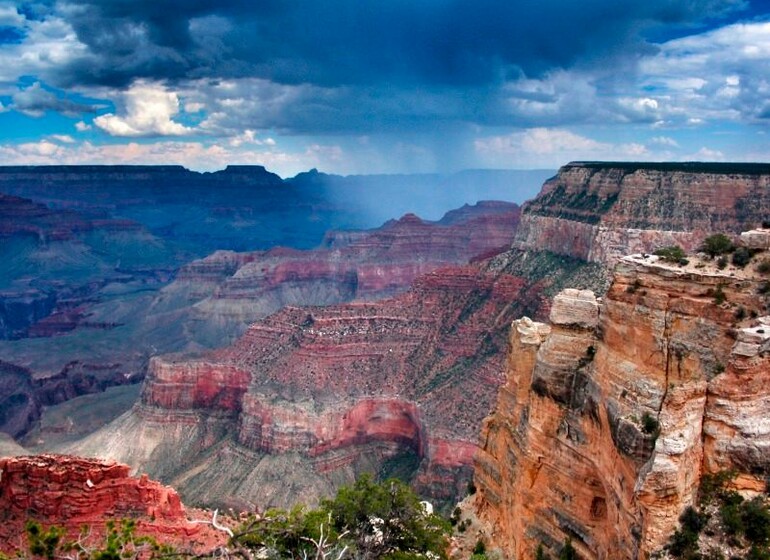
{"x":71,"y":492}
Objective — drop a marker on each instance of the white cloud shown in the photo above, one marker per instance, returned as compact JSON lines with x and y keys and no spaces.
{"x":193,"y":107}
{"x":10,"y":16}
{"x":550,"y":148}
{"x":81,"y":126}
{"x":664,"y":141}
{"x":722,"y":74}
{"x":149,"y":110}
{"x":706,"y":154}
{"x":63,"y":138}
{"x":48,"y":45}
{"x":31,"y":153}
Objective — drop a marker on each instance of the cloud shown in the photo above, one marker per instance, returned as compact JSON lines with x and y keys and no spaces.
{"x":148,"y":111}
{"x":664,"y":141}
{"x":10,"y":16}
{"x":706,"y":154}
{"x":63,"y":138}
{"x":35,"y":101}
{"x":364,"y":42}
{"x":551,"y":148}
{"x":81,"y":126}
{"x":45,"y":48}
{"x":720,"y":74}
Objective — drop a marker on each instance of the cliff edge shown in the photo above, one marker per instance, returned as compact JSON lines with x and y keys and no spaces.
{"x":610,"y":415}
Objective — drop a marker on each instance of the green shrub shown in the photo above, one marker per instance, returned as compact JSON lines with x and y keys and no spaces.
{"x":719,"y":295}
{"x":672,"y":253}
{"x":389,"y":511}
{"x":568,"y":551}
{"x":693,"y":521}
{"x":732,"y":520}
{"x":650,"y":424}
{"x":756,"y":521}
{"x":713,"y":486}
{"x":717,"y":244}
{"x":480,"y":547}
{"x":758,"y":553}
{"x":713,"y":553}
{"x":742,"y":256}
{"x":764,"y":266}
{"x":683,"y":544}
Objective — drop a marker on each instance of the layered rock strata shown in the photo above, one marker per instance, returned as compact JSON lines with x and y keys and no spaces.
{"x":228,"y":290}
{"x":601,"y":211}
{"x":610,"y":415}
{"x":71,"y":492}
{"x":310,"y":397}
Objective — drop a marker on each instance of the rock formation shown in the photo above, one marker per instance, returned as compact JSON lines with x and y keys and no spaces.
{"x":82,"y":297}
{"x":609,"y":417}
{"x":601,"y":211}
{"x":309,"y":397}
{"x":71,"y":492}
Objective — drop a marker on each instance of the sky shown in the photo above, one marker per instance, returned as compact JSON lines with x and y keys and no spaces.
{"x":383,"y":86}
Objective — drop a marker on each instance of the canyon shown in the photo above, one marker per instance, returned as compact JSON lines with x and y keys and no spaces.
{"x":602,"y":422}
{"x":225,"y":292}
{"x":308,"y":398}
{"x":98,"y":272}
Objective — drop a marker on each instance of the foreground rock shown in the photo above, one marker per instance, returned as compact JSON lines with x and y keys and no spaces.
{"x":610,"y":415}
{"x":71,"y":492}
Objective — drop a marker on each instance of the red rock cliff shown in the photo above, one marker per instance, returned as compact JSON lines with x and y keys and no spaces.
{"x":602,"y":211}
{"x":71,"y":491}
{"x":609,"y":417}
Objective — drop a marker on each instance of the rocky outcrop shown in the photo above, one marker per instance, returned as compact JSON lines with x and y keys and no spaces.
{"x":609,"y":417}
{"x":71,"y":492}
{"x":310,"y":397}
{"x":602,"y":211}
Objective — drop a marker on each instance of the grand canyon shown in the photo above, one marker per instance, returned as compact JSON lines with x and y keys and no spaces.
{"x":523,"y":351}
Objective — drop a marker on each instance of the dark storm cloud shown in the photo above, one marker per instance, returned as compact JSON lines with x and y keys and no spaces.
{"x":364,"y":42}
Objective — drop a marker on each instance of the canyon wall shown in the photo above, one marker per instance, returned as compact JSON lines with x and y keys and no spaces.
{"x":227,"y":291}
{"x":610,"y":415}
{"x":601,"y":211}
{"x":310,"y":397}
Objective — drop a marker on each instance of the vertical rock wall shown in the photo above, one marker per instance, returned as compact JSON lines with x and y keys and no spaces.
{"x":608,"y":419}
